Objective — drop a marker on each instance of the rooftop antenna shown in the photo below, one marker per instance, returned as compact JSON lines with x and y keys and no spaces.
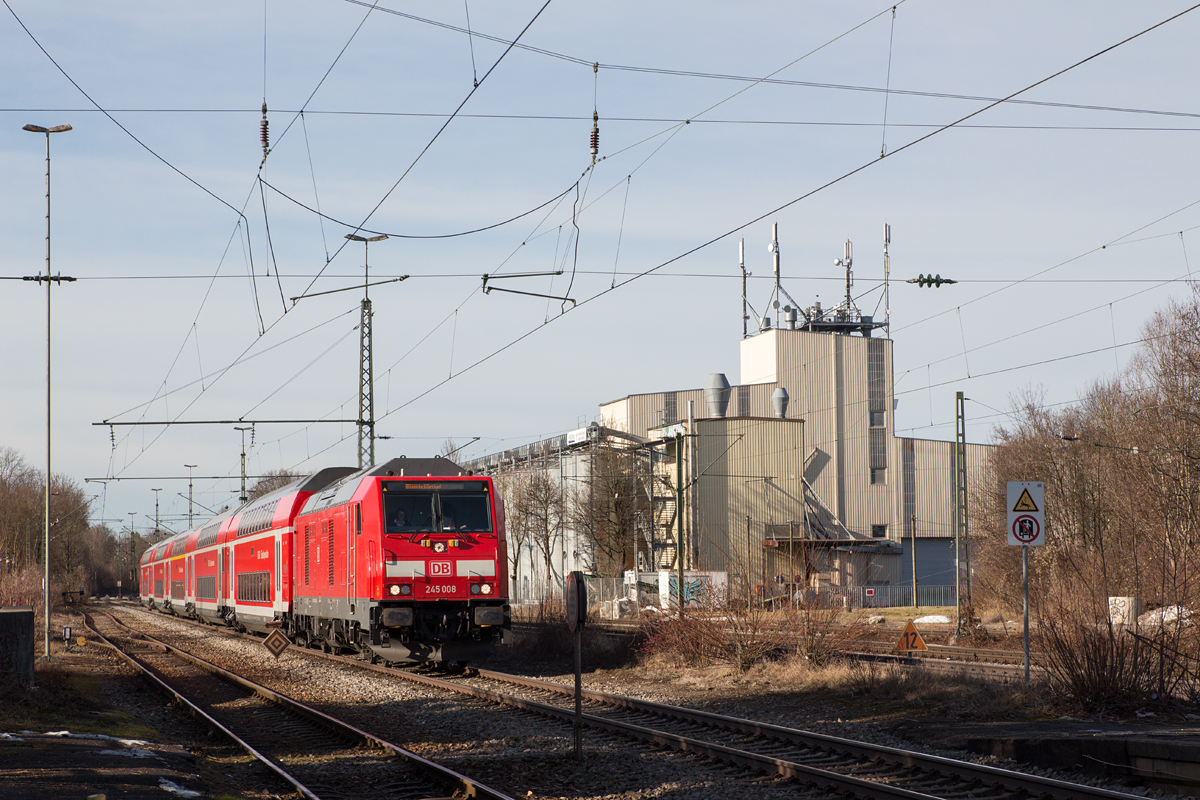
{"x":887,"y":271}
{"x":845,"y":261}
{"x":742,"y":265}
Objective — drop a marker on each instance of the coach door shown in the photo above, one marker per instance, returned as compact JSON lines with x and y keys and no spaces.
{"x":353,"y":531}
{"x":223,"y":571}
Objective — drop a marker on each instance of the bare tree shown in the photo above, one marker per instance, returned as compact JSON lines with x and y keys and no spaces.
{"x":274,"y":479}
{"x":610,"y":507}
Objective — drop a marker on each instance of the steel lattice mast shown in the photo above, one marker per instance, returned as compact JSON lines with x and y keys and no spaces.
{"x":366,"y":380}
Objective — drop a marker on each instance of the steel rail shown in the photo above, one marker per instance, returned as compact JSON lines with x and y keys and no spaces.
{"x":151,"y":674}
{"x":802,"y":772}
{"x":1009,"y":779}
{"x":790,"y":769}
{"x":468,"y":786}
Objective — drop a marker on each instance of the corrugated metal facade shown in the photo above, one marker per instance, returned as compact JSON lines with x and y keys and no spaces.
{"x":747,"y":476}
{"x":841,"y":386}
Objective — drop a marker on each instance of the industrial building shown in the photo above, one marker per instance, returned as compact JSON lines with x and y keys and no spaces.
{"x":791,"y":479}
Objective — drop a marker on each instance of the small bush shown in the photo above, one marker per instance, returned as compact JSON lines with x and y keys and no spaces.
{"x":742,"y":636}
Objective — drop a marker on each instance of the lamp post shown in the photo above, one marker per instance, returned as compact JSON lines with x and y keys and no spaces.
{"x":366,"y":386}
{"x":47,"y":278}
{"x":190,"y":467}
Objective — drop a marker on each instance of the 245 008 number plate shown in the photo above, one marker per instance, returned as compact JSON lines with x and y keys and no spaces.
{"x":442,"y":588}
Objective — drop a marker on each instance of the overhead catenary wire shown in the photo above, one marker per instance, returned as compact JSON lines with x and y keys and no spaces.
{"x":802,"y":197}
{"x":441,"y":129}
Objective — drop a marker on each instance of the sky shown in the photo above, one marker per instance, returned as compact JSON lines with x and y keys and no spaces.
{"x":1066,"y":214}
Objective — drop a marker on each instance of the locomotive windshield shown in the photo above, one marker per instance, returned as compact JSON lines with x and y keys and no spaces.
{"x":460,"y":507}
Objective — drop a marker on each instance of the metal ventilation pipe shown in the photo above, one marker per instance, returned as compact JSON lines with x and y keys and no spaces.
{"x":791,"y":317}
{"x":779,"y":402}
{"x":716,"y":393}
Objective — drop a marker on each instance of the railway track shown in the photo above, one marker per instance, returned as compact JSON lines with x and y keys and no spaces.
{"x":841,"y":765}
{"x":816,"y":763}
{"x":319,"y":756}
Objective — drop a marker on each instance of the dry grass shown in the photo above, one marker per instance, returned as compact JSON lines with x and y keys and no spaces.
{"x":742,"y":637}
{"x":864,"y":689}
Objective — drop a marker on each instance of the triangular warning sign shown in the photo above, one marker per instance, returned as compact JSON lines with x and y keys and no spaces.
{"x":1025,"y":502}
{"x":910,"y":639}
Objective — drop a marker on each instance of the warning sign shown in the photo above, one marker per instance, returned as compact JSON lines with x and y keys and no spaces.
{"x":1025,"y":502}
{"x":1027,"y":513}
{"x":1026,"y":529}
{"x":910,"y":639}
{"x":276,"y":643}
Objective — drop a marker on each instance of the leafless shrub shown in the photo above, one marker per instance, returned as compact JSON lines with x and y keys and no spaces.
{"x":22,"y":588}
{"x":741,"y":635}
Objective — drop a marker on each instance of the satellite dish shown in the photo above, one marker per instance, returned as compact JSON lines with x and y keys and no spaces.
{"x":771,"y":247}
{"x":775,"y":304}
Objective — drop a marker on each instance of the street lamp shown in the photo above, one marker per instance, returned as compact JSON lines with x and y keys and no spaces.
{"x":366,"y":387}
{"x":190,"y":467}
{"x":47,"y":278}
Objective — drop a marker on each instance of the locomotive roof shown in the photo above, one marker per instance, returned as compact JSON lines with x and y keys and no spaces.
{"x":437,"y":466}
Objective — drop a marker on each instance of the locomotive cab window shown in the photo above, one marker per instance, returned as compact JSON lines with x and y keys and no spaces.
{"x":465,"y":511}
{"x":409,"y":512}
{"x":461,"y":507}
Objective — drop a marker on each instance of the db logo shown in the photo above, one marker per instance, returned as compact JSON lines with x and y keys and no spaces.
{"x":441,"y":569}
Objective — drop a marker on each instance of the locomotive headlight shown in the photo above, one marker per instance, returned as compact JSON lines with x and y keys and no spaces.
{"x":485,"y":588}
{"x":439,"y":547}
{"x":394,"y":589}
{"x":474,"y":588}
{"x":406,"y":588}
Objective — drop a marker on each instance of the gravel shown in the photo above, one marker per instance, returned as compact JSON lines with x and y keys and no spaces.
{"x":533,"y":757}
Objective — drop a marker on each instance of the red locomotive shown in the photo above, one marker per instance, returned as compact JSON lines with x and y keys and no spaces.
{"x":404,"y":561}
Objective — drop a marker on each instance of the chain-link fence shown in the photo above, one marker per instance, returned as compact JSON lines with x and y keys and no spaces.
{"x":614,"y":598}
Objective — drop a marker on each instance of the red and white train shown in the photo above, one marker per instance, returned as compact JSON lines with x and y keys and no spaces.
{"x":403,"y":561}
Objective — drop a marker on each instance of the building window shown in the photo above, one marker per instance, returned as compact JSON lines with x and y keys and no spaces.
{"x":878,"y":419}
{"x":879,"y":531}
{"x":878,"y":477}
{"x":878,"y":448}
{"x":670,"y":405}
{"x":743,"y":401}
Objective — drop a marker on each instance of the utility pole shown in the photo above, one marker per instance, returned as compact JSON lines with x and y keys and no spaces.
{"x":156,"y":529}
{"x":913,"y":541}
{"x":679,"y":548}
{"x":366,"y":383}
{"x":190,"y":467}
{"x":243,"y":497}
{"x":132,"y":515}
{"x":962,"y":542}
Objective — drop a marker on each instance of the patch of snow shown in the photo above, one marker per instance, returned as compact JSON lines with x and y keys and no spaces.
{"x":132,"y":753}
{"x":932,"y":619}
{"x":1167,"y":615}
{"x":175,"y":788}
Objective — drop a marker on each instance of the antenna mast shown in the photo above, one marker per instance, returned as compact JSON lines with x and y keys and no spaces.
{"x":887,"y":271}
{"x":847,"y":260}
{"x":742,"y":265}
